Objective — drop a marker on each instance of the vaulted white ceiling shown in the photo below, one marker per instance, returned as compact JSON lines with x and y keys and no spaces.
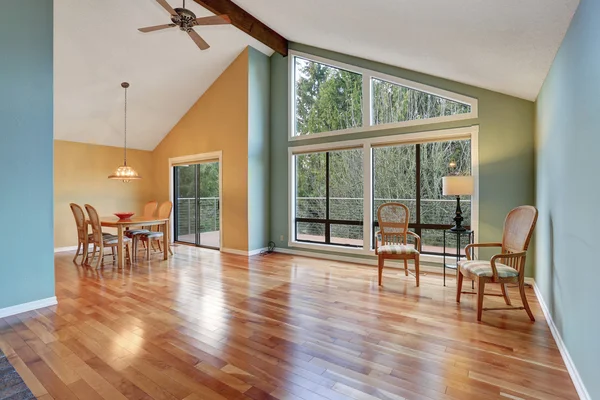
{"x":97,"y":46}
{"x":503,"y":45}
{"x":506,"y":46}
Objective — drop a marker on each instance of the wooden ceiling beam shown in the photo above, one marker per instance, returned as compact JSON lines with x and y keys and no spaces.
{"x":247,"y":23}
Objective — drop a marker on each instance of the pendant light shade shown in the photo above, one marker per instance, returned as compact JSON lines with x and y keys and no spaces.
{"x":125,"y":172}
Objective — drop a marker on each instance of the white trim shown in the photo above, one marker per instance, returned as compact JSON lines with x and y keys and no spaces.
{"x":32,"y":305}
{"x":64,"y":249}
{"x":354,"y":260}
{"x":575,"y":377}
{"x":367,"y":77}
{"x":197,"y":159}
{"x":243,"y":252}
{"x":471,"y":132}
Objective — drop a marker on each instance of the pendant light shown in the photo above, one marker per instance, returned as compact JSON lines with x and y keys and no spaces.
{"x":125,"y":173}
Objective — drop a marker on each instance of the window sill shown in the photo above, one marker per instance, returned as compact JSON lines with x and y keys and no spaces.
{"x":427,"y":258}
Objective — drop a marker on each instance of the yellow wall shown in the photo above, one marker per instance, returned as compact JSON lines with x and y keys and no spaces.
{"x":218,"y":121}
{"x":80,"y":176}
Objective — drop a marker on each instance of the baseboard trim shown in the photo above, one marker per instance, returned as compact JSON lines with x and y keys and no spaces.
{"x":357,"y":260}
{"x":243,"y":252}
{"x":64,"y":249}
{"x":575,"y":377}
{"x":32,"y":305}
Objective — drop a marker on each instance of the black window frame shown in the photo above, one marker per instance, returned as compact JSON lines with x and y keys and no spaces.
{"x":326,"y":221}
{"x":417,"y":226}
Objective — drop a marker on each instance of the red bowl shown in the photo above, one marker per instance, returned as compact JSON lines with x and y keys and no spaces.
{"x":124,"y":215}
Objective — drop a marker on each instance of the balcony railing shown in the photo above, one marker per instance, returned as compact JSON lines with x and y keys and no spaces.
{"x":187,"y":220}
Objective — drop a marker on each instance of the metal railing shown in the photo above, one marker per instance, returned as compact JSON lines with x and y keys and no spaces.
{"x":187,"y":221}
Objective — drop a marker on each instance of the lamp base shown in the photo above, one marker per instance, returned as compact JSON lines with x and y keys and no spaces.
{"x":458,"y":219}
{"x":458,"y":229}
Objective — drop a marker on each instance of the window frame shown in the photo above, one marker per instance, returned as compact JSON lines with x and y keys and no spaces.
{"x":470,"y":132}
{"x":367,"y":91}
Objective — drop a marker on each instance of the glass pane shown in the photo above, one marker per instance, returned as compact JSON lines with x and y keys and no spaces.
{"x":346,"y":185}
{"x":349,"y":235}
{"x":310,"y":231}
{"x":394,"y":177}
{"x":185,"y":193}
{"x":395,"y":103}
{"x":327,"y":98}
{"x":208,"y":204}
{"x":432,"y":241}
{"x":436,"y":159}
{"x":310,"y":186}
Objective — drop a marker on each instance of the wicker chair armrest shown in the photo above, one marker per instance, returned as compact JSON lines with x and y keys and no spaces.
{"x":417,"y":240}
{"x":474,"y":245}
{"x":504,"y":256}
{"x":377,"y":234}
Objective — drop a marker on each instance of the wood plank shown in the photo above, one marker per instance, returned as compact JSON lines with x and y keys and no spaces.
{"x":205,"y":325}
{"x":247,"y":23}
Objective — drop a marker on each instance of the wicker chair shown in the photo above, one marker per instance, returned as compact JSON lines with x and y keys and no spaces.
{"x":392,"y":238}
{"x":100,"y":242}
{"x":83,"y":238}
{"x":133,"y":234}
{"x":164,"y":212}
{"x":518,"y":228}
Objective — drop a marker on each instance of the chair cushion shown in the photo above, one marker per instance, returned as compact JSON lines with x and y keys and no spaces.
{"x":151,"y":235}
{"x":484,"y":268}
{"x":109,"y":241}
{"x":396,"y":249}
{"x":133,"y":232}
{"x":104,"y":236}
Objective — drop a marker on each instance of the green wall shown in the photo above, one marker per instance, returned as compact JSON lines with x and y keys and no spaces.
{"x":506,"y":144}
{"x":258,"y":149}
{"x":26,"y":152}
{"x":568,"y":193}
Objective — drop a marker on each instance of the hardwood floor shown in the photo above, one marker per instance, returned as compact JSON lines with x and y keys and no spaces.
{"x":205,"y":325}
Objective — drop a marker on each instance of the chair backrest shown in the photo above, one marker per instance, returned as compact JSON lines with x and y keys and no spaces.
{"x":95,"y":222}
{"x":150,"y":208}
{"x":518,"y":228}
{"x":393,"y":223}
{"x":165,"y":209}
{"x":79,"y":221}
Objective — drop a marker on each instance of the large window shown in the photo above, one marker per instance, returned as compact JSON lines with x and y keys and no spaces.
{"x":337,"y":188}
{"x":328,"y":97}
{"x":329,"y":197}
{"x":412,"y":174}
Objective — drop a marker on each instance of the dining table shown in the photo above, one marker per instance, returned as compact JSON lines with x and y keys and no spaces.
{"x":123,"y":224}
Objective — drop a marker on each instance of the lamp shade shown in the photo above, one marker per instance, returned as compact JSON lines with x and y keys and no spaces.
{"x":457,"y":185}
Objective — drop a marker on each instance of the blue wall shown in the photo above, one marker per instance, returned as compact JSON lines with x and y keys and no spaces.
{"x":26,"y":152}
{"x":259,"y":69}
{"x":568,"y":192}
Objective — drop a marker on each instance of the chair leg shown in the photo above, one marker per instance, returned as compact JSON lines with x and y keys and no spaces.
{"x":459,"y":283}
{"x":77,"y":252}
{"x":417,"y":269}
{"x":406,"y":267}
{"x":170,"y":251}
{"x":90,"y":261}
{"x":505,"y":294}
{"x":158,"y":244}
{"x":113,"y":254}
{"x":100,"y":256}
{"x":128,"y":253}
{"x":524,"y":300}
{"x":480,"y":292}
{"x":148,"y":249}
{"x":380,"y":261}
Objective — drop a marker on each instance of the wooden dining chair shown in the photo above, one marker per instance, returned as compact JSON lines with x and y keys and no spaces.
{"x":392,"y":238}
{"x":518,"y":228}
{"x":164,"y":212}
{"x":149,"y":210}
{"x":83,"y":237}
{"x":100,"y":242}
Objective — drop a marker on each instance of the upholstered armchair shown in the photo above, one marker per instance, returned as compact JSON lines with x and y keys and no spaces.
{"x":391,"y":242}
{"x":508,"y":266}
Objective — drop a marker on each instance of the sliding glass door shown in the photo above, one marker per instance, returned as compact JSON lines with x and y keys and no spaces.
{"x":197,"y":216}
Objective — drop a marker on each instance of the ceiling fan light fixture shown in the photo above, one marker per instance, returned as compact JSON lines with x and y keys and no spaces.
{"x":125,"y":172}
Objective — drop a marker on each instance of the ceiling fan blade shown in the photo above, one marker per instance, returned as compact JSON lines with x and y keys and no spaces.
{"x":214,"y":20}
{"x":198,"y":40}
{"x":156,"y":28}
{"x":167,"y":7}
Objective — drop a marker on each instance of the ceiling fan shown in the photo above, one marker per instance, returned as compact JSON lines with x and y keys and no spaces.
{"x":186,"y":20}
